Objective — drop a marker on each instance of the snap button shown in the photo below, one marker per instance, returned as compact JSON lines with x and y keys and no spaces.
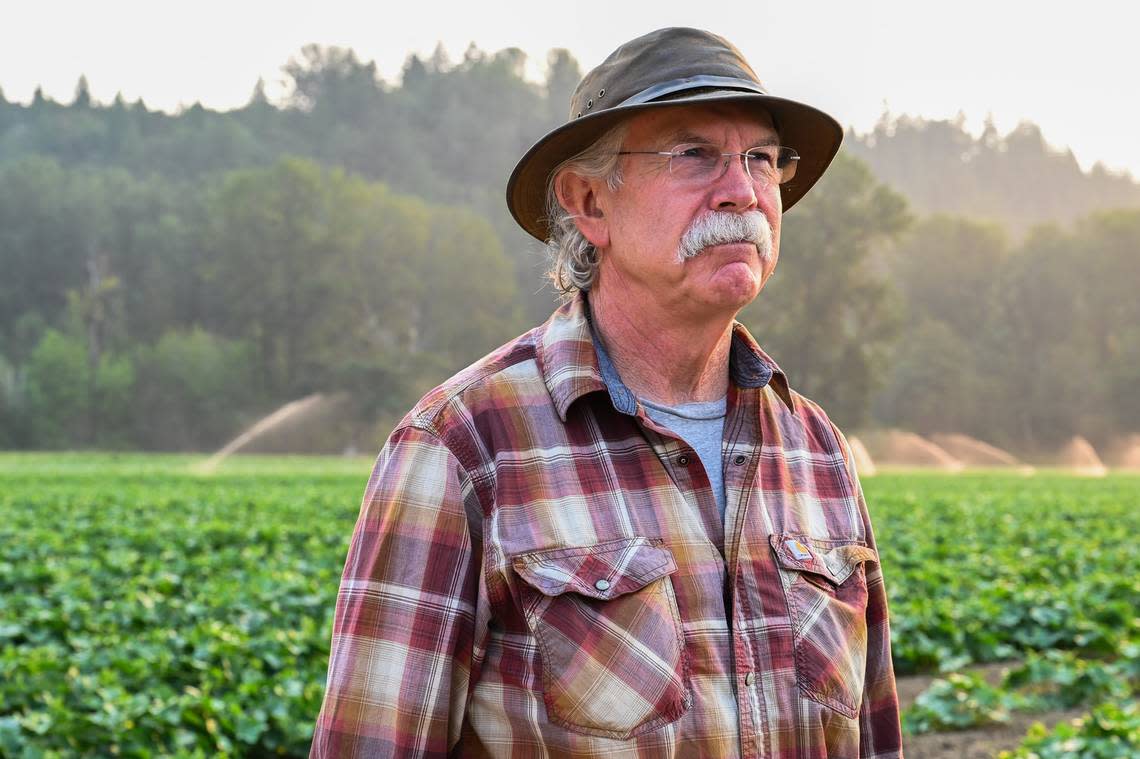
{"x":683,"y":460}
{"x":602,"y":585}
{"x":739,"y":460}
{"x":750,"y":679}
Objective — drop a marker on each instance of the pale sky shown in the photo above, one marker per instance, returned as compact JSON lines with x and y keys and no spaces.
{"x":1073,"y":68}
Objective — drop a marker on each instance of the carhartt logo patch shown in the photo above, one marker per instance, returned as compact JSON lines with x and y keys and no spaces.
{"x":798,"y":550}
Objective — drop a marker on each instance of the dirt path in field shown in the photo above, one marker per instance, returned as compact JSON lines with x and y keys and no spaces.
{"x":980,"y":743}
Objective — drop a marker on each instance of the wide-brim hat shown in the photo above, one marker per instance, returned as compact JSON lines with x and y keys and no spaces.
{"x":663,"y":69}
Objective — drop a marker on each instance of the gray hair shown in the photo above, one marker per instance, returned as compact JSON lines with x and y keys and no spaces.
{"x":573,"y":258}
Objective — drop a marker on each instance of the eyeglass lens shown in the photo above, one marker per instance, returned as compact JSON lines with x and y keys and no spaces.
{"x":769,"y":163}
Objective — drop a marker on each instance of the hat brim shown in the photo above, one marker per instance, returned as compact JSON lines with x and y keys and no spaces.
{"x":812,"y":133}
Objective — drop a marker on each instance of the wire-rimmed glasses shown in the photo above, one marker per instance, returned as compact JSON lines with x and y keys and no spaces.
{"x":696,"y":162}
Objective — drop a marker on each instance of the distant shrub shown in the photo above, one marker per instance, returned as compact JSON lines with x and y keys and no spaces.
{"x":189,"y":389}
{"x":63,"y":408}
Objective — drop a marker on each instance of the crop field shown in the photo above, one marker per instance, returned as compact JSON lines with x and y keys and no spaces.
{"x":148,"y":610}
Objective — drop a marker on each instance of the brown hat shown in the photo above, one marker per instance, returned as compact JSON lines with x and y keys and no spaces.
{"x":665,"y":68}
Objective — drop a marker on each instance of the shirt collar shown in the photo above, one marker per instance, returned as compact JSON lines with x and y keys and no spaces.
{"x":573,"y":362}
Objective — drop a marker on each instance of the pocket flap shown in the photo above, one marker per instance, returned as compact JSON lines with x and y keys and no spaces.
{"x":833,"y":559}
{"x":602,"y":571}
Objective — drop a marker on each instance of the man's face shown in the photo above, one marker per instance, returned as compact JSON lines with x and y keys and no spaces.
{"x":646,"y":217}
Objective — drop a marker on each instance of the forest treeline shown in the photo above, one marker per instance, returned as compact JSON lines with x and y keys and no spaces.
{"x":167,"y":279}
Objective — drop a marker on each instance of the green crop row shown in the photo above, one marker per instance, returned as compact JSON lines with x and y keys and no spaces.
{"x":983,"y":568}
{"x":147,"y":611}
{"x":1111,"y":731}
{"x":1044,"y":681}
{"x":167,"y":615}
{"x":1040,"y":570}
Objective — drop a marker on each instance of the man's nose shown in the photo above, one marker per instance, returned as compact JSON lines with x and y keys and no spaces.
{"x":735,"y":188}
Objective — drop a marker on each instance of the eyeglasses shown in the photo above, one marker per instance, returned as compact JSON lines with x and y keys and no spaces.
{"x":693,"y":162}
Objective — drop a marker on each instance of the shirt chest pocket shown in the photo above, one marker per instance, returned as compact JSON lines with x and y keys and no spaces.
{"x":825,"y":583}
{"x":609,"y":634}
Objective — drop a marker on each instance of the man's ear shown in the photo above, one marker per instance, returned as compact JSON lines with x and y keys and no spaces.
{"x":579,"y":196}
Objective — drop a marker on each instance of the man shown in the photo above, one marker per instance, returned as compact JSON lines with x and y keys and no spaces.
{"x":622,"y":534}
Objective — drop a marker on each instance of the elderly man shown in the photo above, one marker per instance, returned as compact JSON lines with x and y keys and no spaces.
{"x":623,"y":534}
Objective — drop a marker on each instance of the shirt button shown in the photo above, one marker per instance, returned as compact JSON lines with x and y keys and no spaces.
{"x":750,"y":679}
{"x":683,"y":460}
{"x":602,"y":585}
{"x":739,"y":460}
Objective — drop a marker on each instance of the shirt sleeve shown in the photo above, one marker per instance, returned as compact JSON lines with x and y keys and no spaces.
{"x":403,"y":631}
{"x":880,"y":728}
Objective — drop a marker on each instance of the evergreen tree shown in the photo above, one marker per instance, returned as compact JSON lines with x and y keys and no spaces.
{"x":82,"y":94}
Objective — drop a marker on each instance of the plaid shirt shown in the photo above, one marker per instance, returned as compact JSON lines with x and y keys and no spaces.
{"x":539,"y":570}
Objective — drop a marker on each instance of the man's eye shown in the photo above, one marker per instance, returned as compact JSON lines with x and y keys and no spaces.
{"x":700,"y":152}
{"x":763,"y":155}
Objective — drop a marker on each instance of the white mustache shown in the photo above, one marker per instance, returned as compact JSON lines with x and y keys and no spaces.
{"x":721,"y":227}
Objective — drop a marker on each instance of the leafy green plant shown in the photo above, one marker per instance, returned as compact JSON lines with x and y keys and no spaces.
{"x":1049,"y":680}
{"x":1060,"y":679}
{"x":1111,"y":731}
{"x":959,"y":701}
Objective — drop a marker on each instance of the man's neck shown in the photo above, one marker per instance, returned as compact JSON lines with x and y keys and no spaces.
{"x":660,"y":357}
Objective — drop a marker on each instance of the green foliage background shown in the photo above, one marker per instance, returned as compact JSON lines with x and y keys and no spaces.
{"x":168,"y":279}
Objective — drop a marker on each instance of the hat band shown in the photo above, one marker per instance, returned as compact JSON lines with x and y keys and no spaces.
{"x":692,"y":83}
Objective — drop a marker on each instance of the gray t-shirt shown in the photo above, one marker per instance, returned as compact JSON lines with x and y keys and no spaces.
{"x":701,"y":425}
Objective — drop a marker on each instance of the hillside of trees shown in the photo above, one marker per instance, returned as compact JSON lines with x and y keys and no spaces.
{"x":1017,"y":179}
{"x":167,"y":279}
